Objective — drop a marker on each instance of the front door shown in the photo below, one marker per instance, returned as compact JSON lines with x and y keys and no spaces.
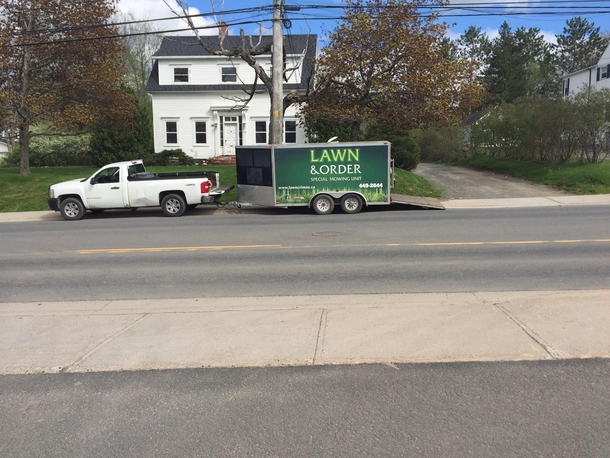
{"x":231,"y":134}
{"x":106,"y":191}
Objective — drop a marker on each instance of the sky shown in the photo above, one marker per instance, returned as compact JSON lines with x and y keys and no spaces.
{"x":549,"y":16}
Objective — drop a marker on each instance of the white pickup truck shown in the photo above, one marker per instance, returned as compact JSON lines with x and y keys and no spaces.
{"x":129,"y":185}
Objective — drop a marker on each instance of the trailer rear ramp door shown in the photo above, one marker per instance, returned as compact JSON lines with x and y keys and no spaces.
{"x":424,"y":202}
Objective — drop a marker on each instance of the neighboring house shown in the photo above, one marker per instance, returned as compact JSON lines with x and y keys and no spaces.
{"x":3,"y":149}
{"x":596,"y":76}
{"x":195,"y":95}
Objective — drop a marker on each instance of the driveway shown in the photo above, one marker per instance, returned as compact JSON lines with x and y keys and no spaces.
{"x":463,"y":183}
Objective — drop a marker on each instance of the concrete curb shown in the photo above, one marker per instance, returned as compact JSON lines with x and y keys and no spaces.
{"x":83,"y":336}
{"x":526,"y":202}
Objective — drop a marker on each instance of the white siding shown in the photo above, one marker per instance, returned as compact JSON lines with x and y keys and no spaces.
{"x":186,"y":108}
{"x":588,"y":77}
{"x":208,"y":70}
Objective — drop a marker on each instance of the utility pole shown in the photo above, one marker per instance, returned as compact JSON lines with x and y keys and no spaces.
{"x":276,"y":123}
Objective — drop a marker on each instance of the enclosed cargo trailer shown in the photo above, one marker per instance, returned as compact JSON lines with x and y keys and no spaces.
{"x":319,"y":176}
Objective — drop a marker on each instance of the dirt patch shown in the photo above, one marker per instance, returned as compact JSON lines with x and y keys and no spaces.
{"x":463,"y":183}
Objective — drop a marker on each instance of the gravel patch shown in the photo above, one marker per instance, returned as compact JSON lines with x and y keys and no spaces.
{"x":464,"y":183}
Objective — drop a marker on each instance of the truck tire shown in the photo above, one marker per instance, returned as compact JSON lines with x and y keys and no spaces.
{"x":323,"y":204}
{"x":72,"y":209}
{"x":173,"y":205}
{"x":351,"y":203}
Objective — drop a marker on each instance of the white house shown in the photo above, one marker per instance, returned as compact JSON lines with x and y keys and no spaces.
{"x":596,"y":76}
{"x":194,"y":95}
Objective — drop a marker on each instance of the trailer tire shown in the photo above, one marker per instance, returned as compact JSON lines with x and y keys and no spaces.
{"x":72,"y":209}
{"x":351,"y":203}
{"x":323,"y":204}
{"x":173,"y":205}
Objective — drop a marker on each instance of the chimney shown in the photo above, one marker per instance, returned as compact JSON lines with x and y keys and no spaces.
{"x":223,"y":29}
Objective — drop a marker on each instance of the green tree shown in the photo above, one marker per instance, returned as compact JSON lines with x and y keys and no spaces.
{"x":519,"y":64}
{"x":51,"y":71}
{"x":387,"y":63}
{"x":134,"y":140}
{"x":405,"y":149}
{"x":580,"y":45}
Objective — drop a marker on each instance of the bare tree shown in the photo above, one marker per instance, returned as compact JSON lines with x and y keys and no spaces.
{"x":248,"y":50}
{"x":141,"y":42}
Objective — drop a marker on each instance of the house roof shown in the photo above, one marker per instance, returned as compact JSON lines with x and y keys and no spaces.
{"x":189,"y":46}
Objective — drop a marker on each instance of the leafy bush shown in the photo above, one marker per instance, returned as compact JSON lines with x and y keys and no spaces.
{"x":53,"y":151}
{"x":445,"y":145}
{"x":554,"y":131}
{"x":169,"y":157}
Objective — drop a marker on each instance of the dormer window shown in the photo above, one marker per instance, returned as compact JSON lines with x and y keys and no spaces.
{"x":181,"y":75}
{"x":229,"y":74}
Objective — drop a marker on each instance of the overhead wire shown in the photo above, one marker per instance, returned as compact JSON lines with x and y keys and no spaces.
{"x":469,"y":9}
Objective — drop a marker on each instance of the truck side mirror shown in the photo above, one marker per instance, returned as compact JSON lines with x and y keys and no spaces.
{"x":93,"y":180}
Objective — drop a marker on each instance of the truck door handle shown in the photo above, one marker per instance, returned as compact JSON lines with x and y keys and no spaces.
{"x":115,"y":187}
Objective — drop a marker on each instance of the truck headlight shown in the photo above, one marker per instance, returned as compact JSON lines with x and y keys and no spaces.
{"x":51,"y":193}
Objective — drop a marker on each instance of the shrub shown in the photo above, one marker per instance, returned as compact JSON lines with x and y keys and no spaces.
{"x":441,"y":145}
{"x":53,"y":151}
{"x":169,"y":157}
{"x":405,"y":150}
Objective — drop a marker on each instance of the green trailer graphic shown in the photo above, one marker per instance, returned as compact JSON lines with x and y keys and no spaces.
{"x":301,"y":173}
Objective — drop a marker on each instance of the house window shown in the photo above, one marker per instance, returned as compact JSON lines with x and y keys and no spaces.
{"x":181,"y":75}
{"x":566,"y":87}
{"x":200,"y":132}
{"x":229,"y":74}
{"x":171,"y":132}
{"x":605,"y":72}
{"x":260,"y":128}
{"x":290,"y":132}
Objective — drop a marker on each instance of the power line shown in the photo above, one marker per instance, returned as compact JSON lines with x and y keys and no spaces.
{"x":445,"y":11}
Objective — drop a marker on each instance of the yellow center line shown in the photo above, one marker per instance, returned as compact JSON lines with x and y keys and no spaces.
{"x":243,"y":247}
{"x":175,"y":248}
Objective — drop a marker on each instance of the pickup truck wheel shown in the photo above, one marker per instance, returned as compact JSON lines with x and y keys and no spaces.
{"x":323,"y":204}
{"x":173,"y":205}
{"x":72,"y":209}
{"x":351,"y":203}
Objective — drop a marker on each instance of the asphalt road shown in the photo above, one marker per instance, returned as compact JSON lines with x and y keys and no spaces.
{"x":382,"y":251}
{"x":533,"y":409}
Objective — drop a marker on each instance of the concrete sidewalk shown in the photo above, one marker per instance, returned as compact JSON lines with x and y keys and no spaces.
{"x":302,"y":330}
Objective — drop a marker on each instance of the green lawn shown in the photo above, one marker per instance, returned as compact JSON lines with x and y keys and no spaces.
{"x":574,"y":177}
{"x":30,"y":193}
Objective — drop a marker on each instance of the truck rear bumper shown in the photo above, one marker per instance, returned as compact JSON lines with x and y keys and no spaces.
{"x":53,"y":204}
{"x":215,"y":194}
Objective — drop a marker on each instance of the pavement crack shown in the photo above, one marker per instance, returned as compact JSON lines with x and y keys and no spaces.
{"x":320,"y":337}
{"x":553,"y":353}
{"x":101,"y":343}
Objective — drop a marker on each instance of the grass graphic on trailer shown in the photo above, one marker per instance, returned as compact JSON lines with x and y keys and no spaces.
{"x":303,"y":197}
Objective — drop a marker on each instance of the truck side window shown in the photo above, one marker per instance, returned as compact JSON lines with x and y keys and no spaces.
{"x":109,"y":175}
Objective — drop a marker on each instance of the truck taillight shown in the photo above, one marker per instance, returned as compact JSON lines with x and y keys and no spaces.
{"x":205,"y":187}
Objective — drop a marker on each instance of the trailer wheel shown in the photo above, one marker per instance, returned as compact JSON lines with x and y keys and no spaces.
{"x":323,"y":204}
{"x":351,"y":203}
{"x":72,"y":209}
{"x":173,"y":205}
